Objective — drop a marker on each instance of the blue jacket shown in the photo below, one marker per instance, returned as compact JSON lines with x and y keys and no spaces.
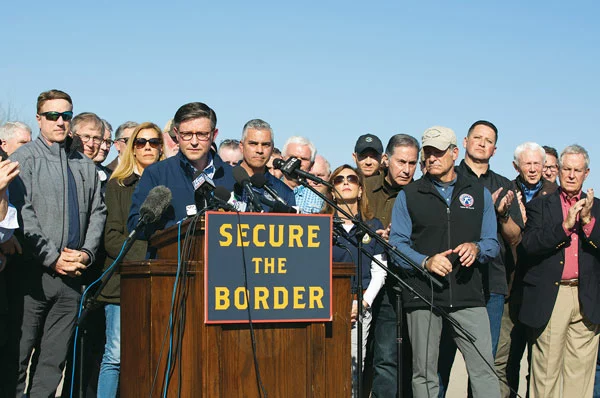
{"x":175,"y":173}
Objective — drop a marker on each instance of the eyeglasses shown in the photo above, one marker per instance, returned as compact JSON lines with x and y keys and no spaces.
{"x":141,"y":143}
{"x":87,"y":138}
{"x":551,"y":168}
{"x":124,"y":140}
{"x":54,"y":116}
{"x":200,"y":135}
{"x":352,"y":179}
{"x":108,"y":142}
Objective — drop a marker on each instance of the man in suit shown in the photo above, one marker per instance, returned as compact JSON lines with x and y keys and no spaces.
{"x":560,"y":285}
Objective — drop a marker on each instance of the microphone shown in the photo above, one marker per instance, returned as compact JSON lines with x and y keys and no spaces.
{"x":203,"y":188}
{"x":291,"y":169}
{"x":259,"y":181}
{"x":221,"y":196}
{"x":156,"y":203}
{"x":242,"y":178}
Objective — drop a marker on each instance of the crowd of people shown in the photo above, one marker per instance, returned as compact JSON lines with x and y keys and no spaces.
{"x":514,"y":263}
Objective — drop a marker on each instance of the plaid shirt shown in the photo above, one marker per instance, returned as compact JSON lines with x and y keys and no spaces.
{"x":307,"y":201}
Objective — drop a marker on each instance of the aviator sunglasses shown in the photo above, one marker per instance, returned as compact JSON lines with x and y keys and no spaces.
{"x":141,"y":142}
{"x":53,"y":116}
{"x":352,"y":179}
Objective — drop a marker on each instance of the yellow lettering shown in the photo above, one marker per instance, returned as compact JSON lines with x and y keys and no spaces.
{"x":315,"y":294}
{"x":261,"y":294}
{"x":240,"y":298}
{"x":281,"y":266}
{"x":225,"y":234}
{"x":269,"y":265}
{"x":255,"y":239}
{"x":272,"y":238}
{"x":313,"y":235}
{"x":298,"y":296}
{"x":280,"y":297}
{"x":257,"y":261}
{"x":221,"y":298}
{"x":243,"y":233}
{"x":295,"y":235}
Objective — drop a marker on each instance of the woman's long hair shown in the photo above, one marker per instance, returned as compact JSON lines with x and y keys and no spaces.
{"x":126,"y":165}
{"x":363,"y":201}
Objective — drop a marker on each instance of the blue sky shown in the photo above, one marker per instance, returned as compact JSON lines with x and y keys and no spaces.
{"x":330,"y":71}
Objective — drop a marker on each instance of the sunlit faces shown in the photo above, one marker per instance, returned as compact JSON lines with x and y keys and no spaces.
{"x":368,"y":161}
{"x":401,"y":165}
{"x":529,"y":166}
{"x":54,"y":131}
{"x":147,"y":154}
{"x":440,"y":163}
{"x":121,"y":142}
{"x":480,"y":144}
{"x":197,"y":147}
{"x":257,"y":148}
{"x":104,"y":147}
{"x":347,"y":186}
{"x":19,"y":138}
{"x":550,"y":169}
{"x":301,"y":152}
{"x":573,"y":172}
{"x":91,"y":137}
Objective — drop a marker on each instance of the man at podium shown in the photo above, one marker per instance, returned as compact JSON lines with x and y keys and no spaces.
{"x":195,"y":127}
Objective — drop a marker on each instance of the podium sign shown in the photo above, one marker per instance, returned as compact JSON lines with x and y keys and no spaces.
{"x":270,"y":268}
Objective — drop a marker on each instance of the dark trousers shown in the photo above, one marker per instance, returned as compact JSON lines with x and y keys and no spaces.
{"x":43,"y":311}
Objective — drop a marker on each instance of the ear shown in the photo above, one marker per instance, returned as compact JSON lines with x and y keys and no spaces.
{"x":465,"y":142}
{"x":516,"y":166}
{"x":355,"y":158}
{"x":215,"y":134}
{"x":385,"y":160}
{"x":39,"y":120}
{"x":455,"y":153}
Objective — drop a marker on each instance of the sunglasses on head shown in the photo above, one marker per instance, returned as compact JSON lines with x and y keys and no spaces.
{"x":141,"y":142}
{"x":352,"y":179}
{"x":53,"y":116}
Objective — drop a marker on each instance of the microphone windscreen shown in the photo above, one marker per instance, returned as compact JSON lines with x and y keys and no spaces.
{"x":159,"y":198}
{"x":222,"y":193}
{"x":278,"y":163}
{"x":258,"y":180}
{"x":240,"y":174}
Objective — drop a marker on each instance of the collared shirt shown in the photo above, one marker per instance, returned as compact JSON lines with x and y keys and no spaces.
{"x":381,"y":195}
{"x":571,"y":268}
{"x":402,"y":227}
{"x":307,"y":201}
{"x":9,"y":224}
{"x":209,"y":170}
{"x":527,"y":191}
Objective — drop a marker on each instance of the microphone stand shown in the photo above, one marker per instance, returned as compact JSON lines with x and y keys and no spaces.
{"x":364,"y":229}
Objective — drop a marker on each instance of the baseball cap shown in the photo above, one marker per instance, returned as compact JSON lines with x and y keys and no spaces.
{"x":438,"y":137}
{"x":368,"y":141}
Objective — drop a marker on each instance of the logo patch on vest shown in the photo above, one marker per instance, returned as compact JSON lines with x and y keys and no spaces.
{"x":466,"y":201}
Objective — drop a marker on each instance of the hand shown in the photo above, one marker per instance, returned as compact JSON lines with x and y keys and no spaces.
{"x":68,"y":264}
{"x":354,"y":312}
{"x":522,"y":207}
{"x":78,"y":256}
{"x":586,"y":211}
{"x":8,"y":171}
{"x":439,"y":263}
{"x":467,"y":253}
{"x":574,"y":211}
{"x":505,"y":202}
{"x":11,"y":246}
{"x":496,"y":194}
{"x":384,"y":233}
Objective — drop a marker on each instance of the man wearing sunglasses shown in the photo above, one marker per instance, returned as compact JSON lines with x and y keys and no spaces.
{"x":58,"y":198}
{"x":122,"y":135}
{"x":195,"y":126}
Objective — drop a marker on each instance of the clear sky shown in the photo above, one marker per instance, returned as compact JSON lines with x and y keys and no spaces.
{"x":328,"y":70}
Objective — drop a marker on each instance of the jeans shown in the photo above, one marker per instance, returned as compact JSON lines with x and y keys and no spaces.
{"x":108,"y":381}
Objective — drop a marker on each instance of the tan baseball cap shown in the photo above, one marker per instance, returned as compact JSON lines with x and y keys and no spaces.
{"x":438,"y":137}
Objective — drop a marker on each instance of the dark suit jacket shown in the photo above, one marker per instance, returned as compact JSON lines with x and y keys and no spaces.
{"x":544,"y":240}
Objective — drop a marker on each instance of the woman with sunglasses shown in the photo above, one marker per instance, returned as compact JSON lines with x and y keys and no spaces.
{"x":349,"y":194}
{"x":144,"y":147}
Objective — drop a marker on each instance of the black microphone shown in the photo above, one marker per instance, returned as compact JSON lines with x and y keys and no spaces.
{"x":221,"y":196}
{"x":259,"y":181}
{"x":156,"y":203}
{"x":291,"y":169}
{"x":242,"y":178}
{"x":203,"y":188}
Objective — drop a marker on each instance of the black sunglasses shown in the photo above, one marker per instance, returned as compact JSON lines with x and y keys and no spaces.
{"x":141,"y":142}
{"x":53,"y":116}
{"x":352,"y":179}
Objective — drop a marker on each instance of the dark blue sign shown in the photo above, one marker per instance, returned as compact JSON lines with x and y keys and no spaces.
{"x":274,"y":268}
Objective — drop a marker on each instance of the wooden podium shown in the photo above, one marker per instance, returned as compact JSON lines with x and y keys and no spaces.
{"x":294,"y":359}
